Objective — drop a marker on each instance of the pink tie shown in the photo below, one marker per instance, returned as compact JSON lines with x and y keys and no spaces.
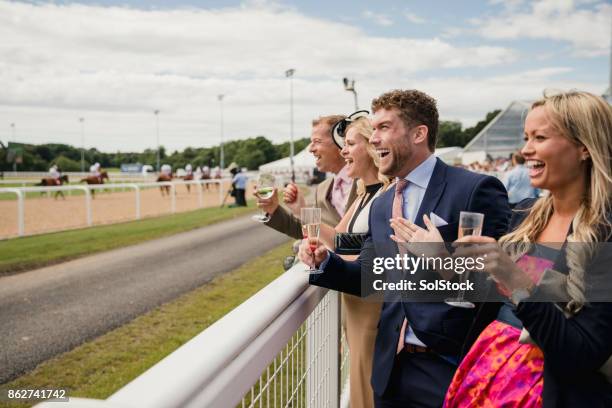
{"x":396,"y":212}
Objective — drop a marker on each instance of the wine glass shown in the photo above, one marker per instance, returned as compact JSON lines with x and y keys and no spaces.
{"x":470,"y":223}
{"x":311,"y":225}
{"x":265,"y":190}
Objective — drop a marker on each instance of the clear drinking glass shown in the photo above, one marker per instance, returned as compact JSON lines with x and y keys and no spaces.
{"x":311,"y":225}
{"x":265,"y":189}
{"x":470,"y":223}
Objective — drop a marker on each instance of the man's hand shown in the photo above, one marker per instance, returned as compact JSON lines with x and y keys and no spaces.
{"x":293,"y":199}
{"x":268,"y":205}
{"x":310,"y":258}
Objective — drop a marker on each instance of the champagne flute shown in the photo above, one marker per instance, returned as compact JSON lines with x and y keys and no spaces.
{"x":311,"y":225}
{"x":265,"y":190}
{"x":470,"y":223}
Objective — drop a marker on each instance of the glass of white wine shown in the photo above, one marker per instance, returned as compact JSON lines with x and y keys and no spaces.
{"x":264,"y":189}
{"x":470,"y":223}
{"x":311,"y":225}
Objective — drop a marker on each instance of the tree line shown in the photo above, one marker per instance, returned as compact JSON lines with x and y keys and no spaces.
{"x":249,"y":153}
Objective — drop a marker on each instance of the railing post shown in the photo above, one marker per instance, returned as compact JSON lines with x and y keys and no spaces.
{"x":88,"y":206}
{"x":200,"y":187}
{"x":173,"y":198}
{"x":20,"y":212}
{"x":137,"y":191}
{"x":220,"y":181}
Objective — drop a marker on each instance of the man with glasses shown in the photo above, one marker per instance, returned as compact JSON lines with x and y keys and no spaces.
{"x":418,"y":345}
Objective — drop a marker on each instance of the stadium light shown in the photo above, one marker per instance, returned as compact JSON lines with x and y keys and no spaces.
{"x":156,"y":112}
{"x":221,"y":153}
{"x":350,"y":86}
{"x":289,"y":74}
{"x":82,"y":120}
{"x":14,"y":141}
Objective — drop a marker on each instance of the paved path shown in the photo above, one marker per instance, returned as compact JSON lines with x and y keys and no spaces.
{"x":51,"y":310}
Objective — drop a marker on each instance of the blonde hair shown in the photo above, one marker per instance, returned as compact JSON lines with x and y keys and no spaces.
{"x":585,"y":119}
{"x":364,"y":129}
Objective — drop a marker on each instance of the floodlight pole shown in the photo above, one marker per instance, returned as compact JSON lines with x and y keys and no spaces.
{"x":15,"y":157}
{"x":349,"y":85}
{"x":289,"y":74}
{"x":156,"y":112}
{"x":82,"y":120}
{"x":221,"y":152}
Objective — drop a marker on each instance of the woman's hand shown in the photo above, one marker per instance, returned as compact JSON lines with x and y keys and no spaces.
{"x":417,"y":240}
{"x":496,"y":261}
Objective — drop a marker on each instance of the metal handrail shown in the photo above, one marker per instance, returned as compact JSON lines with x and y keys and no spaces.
{"x":218,"y":366}
{"x":87,"y":189}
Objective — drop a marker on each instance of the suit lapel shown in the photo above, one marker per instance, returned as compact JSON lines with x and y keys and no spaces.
{"x":433,"y":193}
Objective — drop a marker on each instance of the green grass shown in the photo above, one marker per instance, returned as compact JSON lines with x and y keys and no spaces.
{"x":19,"y":254}
{"x":99,"y":368}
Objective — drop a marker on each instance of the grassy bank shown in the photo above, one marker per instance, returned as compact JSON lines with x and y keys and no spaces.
{"x":99,"y":368}
{"x":27,"y":253}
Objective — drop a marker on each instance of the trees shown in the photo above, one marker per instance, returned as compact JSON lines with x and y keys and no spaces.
{"x":450,"y":133}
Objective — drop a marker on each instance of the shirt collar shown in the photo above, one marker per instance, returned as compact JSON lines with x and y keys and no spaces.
{"x":342,"y":174}
{"x":421,"y":175}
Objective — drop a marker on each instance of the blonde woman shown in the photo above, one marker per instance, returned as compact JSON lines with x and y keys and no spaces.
{"x":544,"y":353}
{"x":361,"y":316}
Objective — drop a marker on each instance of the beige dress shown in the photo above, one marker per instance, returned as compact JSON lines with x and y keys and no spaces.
{"x":361,"y":321}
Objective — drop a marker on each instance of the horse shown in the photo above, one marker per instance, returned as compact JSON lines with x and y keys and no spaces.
{"x":161,"y":178}
{"x":188,"y":177}
{"x":95,"y":180}
{"x":52,"y":182}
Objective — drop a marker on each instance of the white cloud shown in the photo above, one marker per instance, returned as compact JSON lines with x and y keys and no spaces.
{"x":587,"y":30}
{"x":115,"y":65}
{"x":413,"y":18}
{"x":377,"y":18}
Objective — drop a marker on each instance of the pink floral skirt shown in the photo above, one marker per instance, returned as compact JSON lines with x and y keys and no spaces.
{"x":498,"y":371}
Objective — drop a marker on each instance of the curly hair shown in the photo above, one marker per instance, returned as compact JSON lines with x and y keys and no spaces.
{"x":415,"y":108}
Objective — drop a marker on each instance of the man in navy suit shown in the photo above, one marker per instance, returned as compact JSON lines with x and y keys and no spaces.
{"x":418,"y":345}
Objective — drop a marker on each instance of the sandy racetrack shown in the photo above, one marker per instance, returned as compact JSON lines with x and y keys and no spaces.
{"x":46,"y":214}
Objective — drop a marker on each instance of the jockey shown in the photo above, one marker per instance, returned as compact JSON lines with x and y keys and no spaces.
{"x":217,"y":171}
{"x":95,"y":171}
{"x":55,"y":174}
{"x":188,"y":170}
{"x":206,"y":172}
{"x":166,"y":170}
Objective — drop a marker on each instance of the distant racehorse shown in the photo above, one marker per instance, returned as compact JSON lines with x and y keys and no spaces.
{"x":188,"y":177}
{"x":95,"y":180}
{"x":51,"y":182}
{"x":161,"y":178}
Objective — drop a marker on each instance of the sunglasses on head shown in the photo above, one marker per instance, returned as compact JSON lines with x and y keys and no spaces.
{"x":339,"y":129}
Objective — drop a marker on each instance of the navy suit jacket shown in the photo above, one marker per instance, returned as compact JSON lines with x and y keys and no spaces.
{"x":447,"y":330}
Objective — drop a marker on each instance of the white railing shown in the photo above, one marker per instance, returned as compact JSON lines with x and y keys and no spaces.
{"x":280,"y":348}
{"x":90,"y":189}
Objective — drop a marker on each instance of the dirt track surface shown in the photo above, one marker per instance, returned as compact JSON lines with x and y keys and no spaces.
{"x":46,"y":214}
{"x":51,"y":310}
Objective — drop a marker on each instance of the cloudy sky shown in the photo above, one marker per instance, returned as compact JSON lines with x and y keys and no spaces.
{"x":114,"y":62}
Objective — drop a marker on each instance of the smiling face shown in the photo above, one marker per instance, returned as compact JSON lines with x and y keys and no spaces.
{"x":355,"y":154}
{"x":324,"y":150}
{"x":400,"y":148}
{"x":554,"y":161}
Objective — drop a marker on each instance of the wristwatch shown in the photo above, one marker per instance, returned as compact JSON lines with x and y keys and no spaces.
{"x":520,"y":294}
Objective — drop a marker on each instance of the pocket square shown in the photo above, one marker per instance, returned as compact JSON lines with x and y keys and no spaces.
{"x":437,"y":220}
